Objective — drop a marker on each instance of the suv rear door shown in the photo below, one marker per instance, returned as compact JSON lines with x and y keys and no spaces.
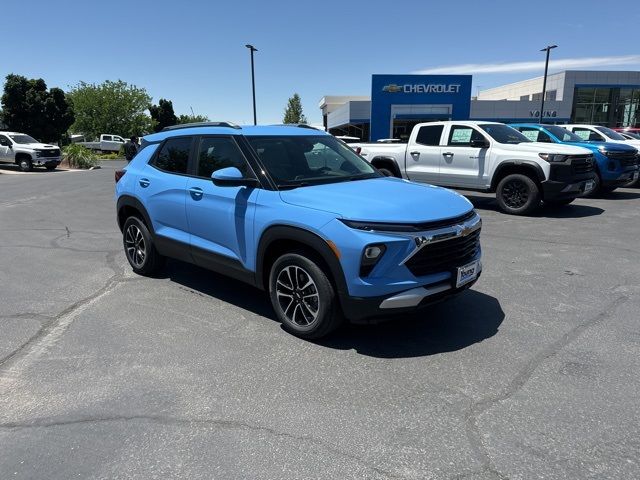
{"x":220,"y":218}
{"x":162,"y":187}
{"x":422,"y":161}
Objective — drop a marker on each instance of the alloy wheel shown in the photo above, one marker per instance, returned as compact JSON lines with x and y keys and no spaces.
{"x":515,"y":194}
{"x":135,"y":246}
{"x":297,"y":296}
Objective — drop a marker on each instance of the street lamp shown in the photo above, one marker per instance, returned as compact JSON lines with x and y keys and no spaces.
{"x":253,"y":82}
{"x":544,"y":82}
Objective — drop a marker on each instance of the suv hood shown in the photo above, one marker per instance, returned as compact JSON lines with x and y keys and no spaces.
{"x":544,"y":147}
{"x":381,"y":200}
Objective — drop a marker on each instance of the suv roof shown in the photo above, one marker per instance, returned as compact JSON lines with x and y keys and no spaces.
{"x":226,"y":128}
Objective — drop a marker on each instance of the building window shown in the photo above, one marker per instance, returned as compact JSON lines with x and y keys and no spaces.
{"x":536,"y":97}
{"x":550,"y":95}
{"x":524,"y":98}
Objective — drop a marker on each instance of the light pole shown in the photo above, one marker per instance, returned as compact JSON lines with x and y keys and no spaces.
{"x":544,"y":81}
{"x":253,"y":82}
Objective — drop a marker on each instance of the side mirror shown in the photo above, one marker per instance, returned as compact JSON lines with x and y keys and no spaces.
{"x":232,"y":177}
{"x":479,"y":144}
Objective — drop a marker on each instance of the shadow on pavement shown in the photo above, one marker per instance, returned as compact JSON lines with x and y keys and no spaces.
{"x":464,"y":320}
{"x":567,"y":211}
{"x":469,"y":318}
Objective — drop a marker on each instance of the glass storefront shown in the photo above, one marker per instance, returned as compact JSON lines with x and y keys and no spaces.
{"x":611,"y":107}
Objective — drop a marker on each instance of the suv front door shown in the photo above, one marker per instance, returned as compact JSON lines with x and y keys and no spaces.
{"x":220,"y":218}
{"x":422,"y":160}
{"x":461,"y":164}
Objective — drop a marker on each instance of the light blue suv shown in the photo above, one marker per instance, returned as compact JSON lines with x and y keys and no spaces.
{"x":294,"y":211}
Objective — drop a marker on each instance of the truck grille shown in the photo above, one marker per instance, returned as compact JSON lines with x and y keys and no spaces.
{"x":445,"y":255}
{"x":50,"y":152}
{"x":582,"y":164}
{"x":625,"y":159}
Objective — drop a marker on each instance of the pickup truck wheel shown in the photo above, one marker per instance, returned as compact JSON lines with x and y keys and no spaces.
{"x":518,"y":194}
{"x":25,"y":164}
{"x":632,"y":183}
{"x":303,"y":297}
{"x":139,"y":248}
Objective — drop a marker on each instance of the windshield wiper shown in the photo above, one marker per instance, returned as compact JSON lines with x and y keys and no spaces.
{"x":289,"y":186}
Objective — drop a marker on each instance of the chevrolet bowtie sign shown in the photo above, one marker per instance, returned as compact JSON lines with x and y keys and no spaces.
{"x":422,"y":88}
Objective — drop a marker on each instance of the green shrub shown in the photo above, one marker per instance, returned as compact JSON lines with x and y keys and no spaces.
{"x":110,"y":156}
{"x":79,"y":156}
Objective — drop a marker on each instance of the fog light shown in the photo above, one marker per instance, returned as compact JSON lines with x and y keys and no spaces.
{"x":370,"y":257}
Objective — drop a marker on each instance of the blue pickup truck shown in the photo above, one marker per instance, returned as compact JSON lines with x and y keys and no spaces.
{"x":295,"y":212}
{"x":616,"y":163}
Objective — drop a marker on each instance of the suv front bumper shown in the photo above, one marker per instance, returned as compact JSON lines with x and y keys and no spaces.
{"x":371,"y":310}
{"x":564,"y":184}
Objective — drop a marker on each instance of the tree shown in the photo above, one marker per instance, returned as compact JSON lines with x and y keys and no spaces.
{"x":163,"y":115}
{"x":30,"y":108}
{"x":293,"y":112}
{"x":110,"y":107}
{"x":193,"y":119}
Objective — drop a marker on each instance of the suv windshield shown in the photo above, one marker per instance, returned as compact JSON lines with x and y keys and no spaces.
{"x":309,"y":160}
{"x":610,"y":133}
{"x":563,"y":134}
{"x":23,"y":139}
{"x":503,"y":133}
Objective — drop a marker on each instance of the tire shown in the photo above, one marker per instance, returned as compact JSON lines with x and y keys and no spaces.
{"x":386,"y":172}
{"x":25,"y":164}
{"x":309,"y":311}
{"x":606,"y":190}
{"x":518,"y":194}
{"x":139,"y":248}
{"x":632,"y":183}
{"x":559,"y":203}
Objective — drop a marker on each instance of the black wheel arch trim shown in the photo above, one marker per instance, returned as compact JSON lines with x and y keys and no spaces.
{"x":394,"y":163}
{"x":318,"y":244}
{"x":527,"y":164}
{"x":129,"y":201}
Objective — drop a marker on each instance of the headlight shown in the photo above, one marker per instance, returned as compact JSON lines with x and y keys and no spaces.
{"x":603,"y":151}
{"x":370,"y":257}
{"x":553,"y":157}
{"x":38,"y":153}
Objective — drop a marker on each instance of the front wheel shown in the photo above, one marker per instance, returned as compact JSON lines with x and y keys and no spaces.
{"x":632,"y":183}
{"x":139,"y":248}
{"x":518,"y":194}
{"x":25,"y":164}
{"x":303,"y":297}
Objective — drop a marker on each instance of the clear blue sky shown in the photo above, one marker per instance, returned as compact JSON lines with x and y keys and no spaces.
{"x":193,"y":53}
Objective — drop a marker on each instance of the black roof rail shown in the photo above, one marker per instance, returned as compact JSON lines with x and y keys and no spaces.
{"x":201,"y":124}
{"x":299,"y":125}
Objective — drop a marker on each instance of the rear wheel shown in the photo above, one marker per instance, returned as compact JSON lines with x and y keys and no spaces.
{"x":518,"y":194}
{"x":139,"y":248}
{"x":386,"y":172}
{"x":303,"y":297}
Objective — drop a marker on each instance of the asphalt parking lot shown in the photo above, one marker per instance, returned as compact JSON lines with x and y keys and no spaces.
{"x":103,"y":374}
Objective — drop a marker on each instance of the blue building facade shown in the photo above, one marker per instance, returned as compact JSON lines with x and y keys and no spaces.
{"x":400,"y":101}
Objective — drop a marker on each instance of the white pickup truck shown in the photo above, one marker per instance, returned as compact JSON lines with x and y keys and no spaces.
{"x":107,"y":143}
{"x":27,"y":152}
{"x":488,"y":157}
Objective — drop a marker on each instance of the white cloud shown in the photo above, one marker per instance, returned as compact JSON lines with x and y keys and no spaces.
{"x":515,"y":67}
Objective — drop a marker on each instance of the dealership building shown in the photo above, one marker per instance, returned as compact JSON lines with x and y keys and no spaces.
{"x":398,"y":102}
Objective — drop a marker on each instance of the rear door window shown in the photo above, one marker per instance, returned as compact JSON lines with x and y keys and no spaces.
{"x":430,"y":135}
{"x":173,"y":156}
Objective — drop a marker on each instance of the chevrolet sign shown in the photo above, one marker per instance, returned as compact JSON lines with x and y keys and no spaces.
{"x":422,"y":88}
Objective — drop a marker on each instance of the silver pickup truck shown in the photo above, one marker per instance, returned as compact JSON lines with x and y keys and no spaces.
{"x":108,"y":143}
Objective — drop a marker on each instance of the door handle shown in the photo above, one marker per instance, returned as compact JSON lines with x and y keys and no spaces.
{"x":196,"y":193}
{"x":415,"y":154}
{"x":144,"y":182}
{"x":447,"y":154}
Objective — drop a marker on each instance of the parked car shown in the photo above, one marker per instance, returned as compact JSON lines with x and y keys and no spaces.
{"x":630,"y":135}
{"x":326,"y":235}
{"x":27,"y":152}
{"x":108,"y":143}
{"x":616,"y":163}
{"x":489,"y":157}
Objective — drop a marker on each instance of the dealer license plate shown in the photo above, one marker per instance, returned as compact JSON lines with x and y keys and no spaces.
{"x":589,"y":185}
{"x":467,"y":274}
{"x":635,"y":175}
